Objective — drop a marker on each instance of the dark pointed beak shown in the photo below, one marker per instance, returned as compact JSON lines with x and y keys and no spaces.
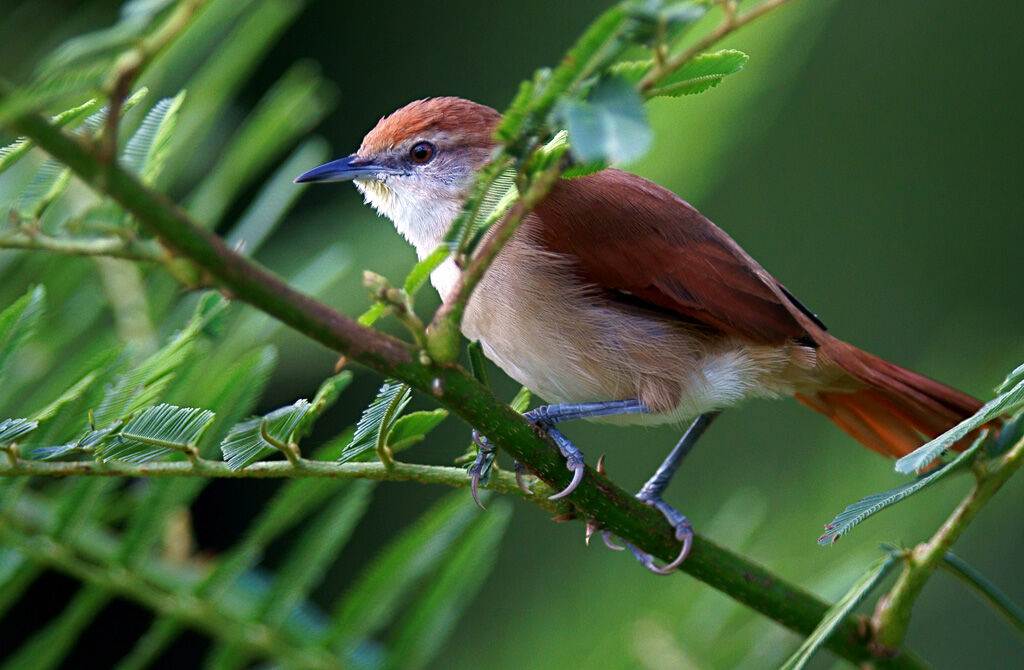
{"x":343,"y":169}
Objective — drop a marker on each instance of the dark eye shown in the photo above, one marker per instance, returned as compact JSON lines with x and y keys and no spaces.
{"x":422,"y":152}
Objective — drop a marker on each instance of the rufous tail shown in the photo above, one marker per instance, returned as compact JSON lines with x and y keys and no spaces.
{"x":897,"y":410}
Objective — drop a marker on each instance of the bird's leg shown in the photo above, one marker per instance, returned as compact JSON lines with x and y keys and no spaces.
{"x":651,"y":492}
{"x":545,"y":418}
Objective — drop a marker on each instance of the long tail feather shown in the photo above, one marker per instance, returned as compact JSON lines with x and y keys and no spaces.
{"x":897,"y":410}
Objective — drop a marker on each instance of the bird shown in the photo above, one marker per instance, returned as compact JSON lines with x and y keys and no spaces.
{"x":615,"y":300}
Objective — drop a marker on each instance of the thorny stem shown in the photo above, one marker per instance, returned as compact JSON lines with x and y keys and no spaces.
{"x":892,"y":614}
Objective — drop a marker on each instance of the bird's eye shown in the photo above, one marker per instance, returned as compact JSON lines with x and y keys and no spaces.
{"x":422,"y":152}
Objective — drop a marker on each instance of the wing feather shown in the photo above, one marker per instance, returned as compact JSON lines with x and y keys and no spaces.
{"x":630,"y":235}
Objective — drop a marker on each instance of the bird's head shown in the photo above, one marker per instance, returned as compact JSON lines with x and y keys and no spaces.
{"x":416,"y":165}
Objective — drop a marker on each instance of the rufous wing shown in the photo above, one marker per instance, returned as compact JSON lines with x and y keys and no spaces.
{"x":628,"y":235}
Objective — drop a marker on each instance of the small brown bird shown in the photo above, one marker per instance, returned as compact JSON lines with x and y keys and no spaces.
{"x":618,"y":301}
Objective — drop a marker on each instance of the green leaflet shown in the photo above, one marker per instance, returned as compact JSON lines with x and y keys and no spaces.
{"x":700,"y":74}
{"x":377,"y":419}
{"x":420,"y":272}
{"x":873,"y":504}
{"x":1009,"y":401}
{"x":413,"y":428}
{"x":258,"y":437}
{"x":147,"y":149}
{"x":70,"y":395}
{"x":12,"y":429}
{"x":609,"y":125}
{"x":157,"y":432}
{"x":10,"y":154}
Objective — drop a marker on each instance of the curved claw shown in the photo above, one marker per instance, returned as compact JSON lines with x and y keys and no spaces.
{"x":577,"y":477}
{"x":523,"y":486}
{"x":474,"y":483}
{"x":647,"y":560}
{"x":669,"y":568}
{"x":608,"y":542}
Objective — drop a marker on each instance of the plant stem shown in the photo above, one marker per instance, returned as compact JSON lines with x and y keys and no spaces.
{"x":114,"y":247}
{"x":892,"y":614}
{"x":501,"y":482}
{"x":596,"y":497}
{"x":730,"y":23}
{"x":444,"y":331}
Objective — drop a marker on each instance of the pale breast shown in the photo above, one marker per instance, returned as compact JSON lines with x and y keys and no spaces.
{"x":567,"y":343}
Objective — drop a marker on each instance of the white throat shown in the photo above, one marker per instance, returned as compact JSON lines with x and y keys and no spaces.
{"x":421,"y":217}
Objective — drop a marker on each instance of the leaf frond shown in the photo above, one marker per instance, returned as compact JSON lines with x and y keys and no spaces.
{"x":157,"y":432}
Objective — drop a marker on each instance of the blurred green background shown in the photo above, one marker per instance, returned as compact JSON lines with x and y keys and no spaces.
{"x":869,"y":155}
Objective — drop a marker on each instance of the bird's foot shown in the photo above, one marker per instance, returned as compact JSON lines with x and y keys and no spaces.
{"x":540,"y":417}
{"x":683,"y":533}
{"x":480,"y":471}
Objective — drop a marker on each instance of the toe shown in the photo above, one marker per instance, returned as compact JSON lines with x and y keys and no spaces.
{"x":577,"y":477}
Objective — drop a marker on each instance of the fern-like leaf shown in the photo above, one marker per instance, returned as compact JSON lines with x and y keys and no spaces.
{"x":1009,"y":401}
{"x":378,"y":419}
{"x":18,"y":322}
{"x":865,"y":507}
{"x":836,"y":614}
{"x":12,"y":429}
{"x":258,"y":437}
{"x":11,"y":153}
{"x":147,"y":149}
{"x":157,"y":432}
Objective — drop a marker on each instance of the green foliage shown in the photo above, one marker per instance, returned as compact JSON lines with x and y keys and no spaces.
{"x":18,"y":323}
{"x":12,"y":429}
{"x":1009,"y":401}
{"x":378,"y":420}
{"x":156,"y":432}
{"x":412,"y":428}
{"x":147,"y":150}
{"x":875,"y":573}
{"x":609,"y":125}
{"x":872,"y":504}
{"x":260,"y":436}
{"x":190,"y":387}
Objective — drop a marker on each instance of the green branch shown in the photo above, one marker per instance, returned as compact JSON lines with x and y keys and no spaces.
{"x":892,"y":615}
{"x":501,"y":482}
{"x":113,"y":247}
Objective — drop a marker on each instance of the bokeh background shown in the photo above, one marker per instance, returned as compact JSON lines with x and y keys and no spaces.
{"x":869,"y":155}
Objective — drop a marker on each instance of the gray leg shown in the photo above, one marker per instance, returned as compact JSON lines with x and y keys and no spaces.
{"x":546,"y":417}
{"x":651,"y":492}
